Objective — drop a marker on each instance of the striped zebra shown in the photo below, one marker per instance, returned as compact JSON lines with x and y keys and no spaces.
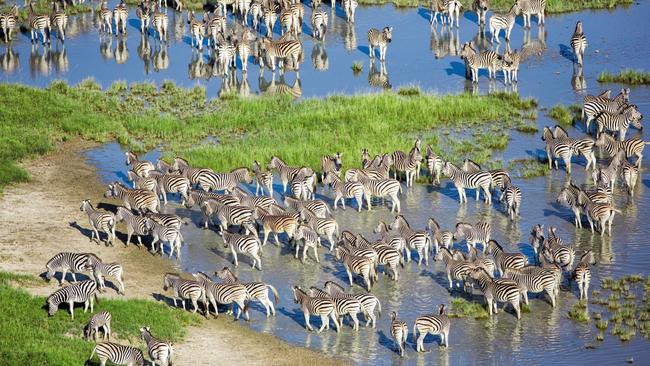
{"x":434,"y":164}
{"x":327,"y":226}
{"x":64,"y":262}
{"x":389,"y":257}
{"x":195,"y":175}
{"x":391,"y":238}
{"x":318,"y":207}
{"x":505,"y":22}
{"x":285,"y":51}
{"x":343,"y":305}
{"x":498,"y":175}
{"x":505,"y":260}
{"x":530,"y":8}
{"x":630,"y":175}
{"x":481,"y":8}
{"x":243,"y":47}
{"x":542,"y":281}
{"x":216,"y":25}
{"x":310,"y":240}
{"x":170,"y":220}
{"x":560,"y":148}
{"x":262,"y":179}
{"x":456,"y":269}
{"x":319,"y":20}
{"x":568,"y":197}
{"x":117,"y":354}
{"x":356,"y":264}
{"x":349,"y":7}
{"x":479,"y":180}
{"x":101,"y":319}
{"x":379,"y":188}
{"x":102,"y":270}
{"x":512,"y":196}
{"x":602,"y":214}
{"x":246,"y":244}
{"x":592,"y":107}
{"x":172,"y":183}
{"x":479,"y":260}
{"x":286,"y":172}
{"x":479,"y":233}
{"x":270,"y":17}
{"x":578,"y":43}
{"x":161,"y":233}
{"x":582,"y":273}
{"x":159,"y":351}
{"x":607,"y":176}
{"x":59,"y":19}
{"x":497,"y":290}
{"x":619,"y":121}
{"x":369,"y":302}
{"x":185,"y":289}
{"x":302,"y":185}
{"x":474,"y":61}
{"x":105,"y":18}
{"x":197,"y":198}
{"x":377,"y":169}
{"x":256,"y":290}
{"x":439,"y":238}
{"x":8,"y":22}
{"x":160,"y":22}
{"x":99,"y":220}
{"x":38,"y":24}
{"x":142,"y":12}
{"x":556,"y":252}
{"x":227,"y":215}
{"x":379,"y":39}
{"x":288,"y":22}
{"x":331,"y":164}
{"x":633,"y":146}
{"x":251,"y":202}
{"x":197,"y":30}
{"x":276,"y":224}
{"x":510,"y":66}
{"x":139,"y":200}
{"x":436,"y":324}
{"x":407,"y":164}
{"x":453,"y":9}
{"x":344,"y":190}
{"x":135,"y":224}
{"x":149,"y":184}
{"x":320,"y":306}
{"x":437,"y":7}
{"x":418,"y":240}
{"x":120,"y":16}
{"x":82,"y":291}
{"x":225,"y":181}
{"x":399,"y":331}
{"x":585,"y":146}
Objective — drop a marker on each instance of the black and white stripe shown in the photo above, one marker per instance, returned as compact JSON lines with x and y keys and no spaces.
{"x":327,"y":227}
{"x":630,"y":175}
{"x":434,"y":164}
{"x":578,"y":43}
{"x":99,"y":220}
{"x":170,"y":234}
{"x":142,"y":12}
{"x":141,"y":167}
{"x":159,"y":351}
{"x":185,"y":289}
{"x":160,"y":22}
{"x":633,"y":146}
{"x":318,"y":207}
{"x":256,"y":290}
{"x":120,"y":16}
{"x":82,"y":291}
{"x":135,"y":225}
{"x":319,"y":20}
{"x":379,"y":39}
{"x":582,"y":273}
{"x":226,"y":214}
{"x":505,"y":22}
{"x":117,"y":354}
{"x":310,"y":239}
{"x":399,"y":331}
{"x":415,"y":240}
{"x":102,"y":270}
{"x":287,"y":173}
{"x":439,"y":238}
{"x":457,"y":269}
{"x":505,"y":260}
{"x":344,"y":190}
{"x":224,"y":181}
{"x":59,"y":19}
{"x":479,"y":233}
{"x":378,"y":188}
{"x":224,"y":293}
{"x":407,"y":163}
{"x":100,"y":320}
{"x":512,"y":196}
{"x":363,"y":266}
{"x":139,"y":200}
{"x":462,"y":180}
{"x":289,"y":51}
{"x":560,"y":148}
{"x":486,"y":59}
{"x":343,"y":305}
{"x":8,"y":22}
{"x":369,"y":302}
{"x":592,"y":107}
{"x":436,"y":324}
{"x":38,"y":24}
{"x":252,"y":202}
{"x":619,"y":121}
{"x":320,"y":306}
{"x":149,"y":184}
{"x":246,"y":244}
{"x":64,"y":262}
{"x":542,"y":281}
{"x":530,"y":8}
{"x":497,"y":290}
{"x":277,"y":224}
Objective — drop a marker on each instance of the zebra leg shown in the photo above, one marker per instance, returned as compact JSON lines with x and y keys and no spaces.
{"x":234,"y":254}
{"x":195,"y":305}
{"x":86,"y":303}
{"x":309,"y":327}
{"x":451,"y":283}
{"x":349,"y":275}
{"x":316,"y":254}
{"x":71,"y":306}
{"x":420,"y":342}
{"x":256,"y":258}
{"x":266,"y":236}
{"x":277,"y":240}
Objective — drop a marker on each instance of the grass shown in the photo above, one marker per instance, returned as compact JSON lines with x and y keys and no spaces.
{"x":565,"y":115}
{"x":627,"y":76}
{"x":461,"y":308}
{"x":142,"y":116}
{"x":552,"y":6}
{"x":602,"y":324}
{"x":357,"y":67}
{"x":527,"y":168}
{"x":45,"y":7}
{"x":579,"y":313}
{"x":57,"y":340}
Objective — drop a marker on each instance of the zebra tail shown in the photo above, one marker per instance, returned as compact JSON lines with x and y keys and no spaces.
{"x":91,"y":355}
{"x":275,"y":293}
{"x":96,"y":297}
{"x":246,"y":304}
{"x":401,"y":260}
{"x":378,"y":307}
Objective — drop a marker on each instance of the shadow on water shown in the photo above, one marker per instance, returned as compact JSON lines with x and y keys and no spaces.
{"x":457,"y":68}
{"x":566,"y":52}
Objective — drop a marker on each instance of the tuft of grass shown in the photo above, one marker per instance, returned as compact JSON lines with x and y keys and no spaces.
{"x":461,"y":308}
{"x":627,"y":76}
{"x":600,"y":337}
{"x":357,"y":67}
{"x":602,"y":324}
{"x":409,"y":91}
{"x":527,"y":168}
{"x":579,"y":313}
{"x":552,"y":6}
{"x":527,"y":128}
{"x":562,"y":115}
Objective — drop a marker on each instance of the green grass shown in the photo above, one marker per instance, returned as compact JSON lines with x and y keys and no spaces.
{"x":602,"y":324}
{"x":579,"y":313}
{"x":565,"y":115}
{"x":357,"y":67}
{"x":552,"y":6}
{"x":461,"y":308}
{"x":45,"y":7}
{"x":57,"y":340}
{"x":631,"y":77}
{"x":527,"y":168}
{"x":142,"y":116}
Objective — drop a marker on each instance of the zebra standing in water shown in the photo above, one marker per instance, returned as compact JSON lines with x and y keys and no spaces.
{"x":506,"y":21}
{"x":245,"y":244}
{"x":541,"y":281}
{"x":633,"y":146}
{"x":319,"y":19}
{"x":418,"y":240}
{"x":343,"y":190}
{"x":79,"y":292}
{"x":169,"y":234}
{"x":479,"y":180}
{"x":150,"y":184}
{"x":117,"y":354}
{"x":369,"y":302}
{"x":481,"y":8}
{"x":262,"y":179}
{"x":561,"y":148}
{"x":356,"y":264}
{"x":474,"y":61}
{"x":432,"y":324}
{"x":331,"y":164}
{"x":323,"y":307}
{"x":256,"y":290}
{"x":629,"y":174}
{"x":453,"y":8}
{"x":8,"y":22}
{"x":477,"y":234}
{"x":582,"y":273}
{"x":64,"y":262}
{"x":287,"y":173}
{"x":99,"y":220}
{"x":399,"y":331}
{"x":619,"y":121}
{"x":439,"y":238}
{"x":434,"y":164}
{"x":159,"y":351}
{"x":172,"y":183}
{"x":141,"y":167}
{"x":530,"y":8}
{"x":379,"y":188}
{"x":497,"y":291}
{"x":342,"y":305}
{"x":322,"y":226}
{"x":407,"y":163}
{"x":135,"y":224}
{"x":120,"y":16}
{"x":139,"y":200}
{"x":197,"y":30}
{"x":159,"y":23}
{"x":227,"y":215}
{"x":349,"y":7}
{"x":185,"y":289}
{"x":578,"y":43}
{"x":225,"y":181}
{"x":505,"y":260}
{"x":101,"y":319}
{"x":38,"y":24}
{"x":456,"y":269}
{"x":223,"y":293}
{"x":101,"y":270}
{"x":512,"y":195}
{"x":59,"y":19}
{"x":276,"y":224}
{"x":142,"y":12}
{"x":379,"y":39}
{"x":282,"y":50}
{"x":594,"y":106}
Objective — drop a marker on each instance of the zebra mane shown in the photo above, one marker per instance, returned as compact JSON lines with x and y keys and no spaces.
{"x":548,"y":134}
{"x":495,"y":243}
{"x":94,"y":257}
{"x":559,"y":132}
{"x":431,"y":221}
{"x":334,"y":286}
{"x":441,"y":309}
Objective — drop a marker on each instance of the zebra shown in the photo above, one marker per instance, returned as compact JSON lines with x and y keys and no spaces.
{"x":120,"y":15}
{"x":38,"y":24}
{"x":432,"y":324}
{"x":619,"y":121}
{"x":389,"y":257}
{"x":456,"y":269}
{"x":407,"y":163}
{"x":101,"y":270}
{"x":568,"y":197}
{"x":135,"y":224}
{"x":497,"y":290}
{"x":8,"y":22}
{"x":542,"y":281}
{"x":159,"y":351}
{"x":505,"y":260}
{"x":310,"y":239}
{"x":373,"y":171}
{"x":270,"y":17}
{"x":479,"y":233}
{"x":601,"y":213}
{"x":319,"y":21}
{"x":149,"y":184}
{"x":185,"y":289}
{"x":99,"y":220}
{"x":629,"y":174}
{"x":481,"y":261}
{"x":481,"y":8}
{"x":142,"y":12}
{"x":349,"y":7}
{"x":170,"y":220}
{"x":225,"y":181}
{"x":439,"y":238}
{"x":252,"y":201}
{"x":498,"y":175}
{"x":331,"y":164}
{"x":243,"y":48}
{"x":437,"y":7}
{"x":172,"y":183}
{"x":418,"y":240}
{"x":64,"y":262}
{"x":512,"y":195}
{"x":169,"y":234}
{"x":585,"y":146}
{"x":343,"y":190}
{"x":608,"y":175}
{"x":302,"y":184}
{"x":356,"y":264}
{"x":276,"y":224}
{"x":529,"y":8}
{"x":245,"y":244}
{"x":227,"y":215}
{"x":452,"y":8}
{"x":136,"y":199}
{"x":399,"y":331}
{"x":197,"y":30}
{"x":101,"y":319}
{"x":379,"y":188}
{"x":141,"y":167}
{"x":160,"y":22}
{"x":561,"y":148}
{"x":59,"y":19}
{"x":289,"y":51}
{"x":287,"y":173}
{"x":262,"y":179}
{"x":288,"y":21}
{"x":379,"y":39}
{"x":343,"y":305}
{"x":633,"y":146}
{"x":578,"y":43}
{"x":592,"y":107}
{"x":323,"y":307}
{"x":510,"y":66}
{"x":474,"y":61}
{"x":197,"y":198}
{"x":582,"y":273}
{"x":322,"y":226}
{"x":256,"y":290}
{"x":434,"y":164}
{"x":501,"y":21}
{"x":79,"y":292}
{"x":479,"y":180}
{"x":391,"y":238}
{"x":195,"y":175}
{"x":215,"y":26}
{"x":117,"y":354}
{"x":369,"y":302}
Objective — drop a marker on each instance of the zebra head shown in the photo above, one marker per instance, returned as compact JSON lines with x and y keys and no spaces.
{"x":85,"y":206}
{"x":110,"y":192}
{"x":52,"y":305}
{"x":388,"y":33}
{"x":145,"y":333}
{"x":130,"y":157}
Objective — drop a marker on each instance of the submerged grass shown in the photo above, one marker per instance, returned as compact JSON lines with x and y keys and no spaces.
{"x":631,"y":77}
{"x":579,"y":313}
{"x":143,"y":116}
{"x":461,"y":308}
{"x":565,"y":115}
{"x":357,"y":67}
